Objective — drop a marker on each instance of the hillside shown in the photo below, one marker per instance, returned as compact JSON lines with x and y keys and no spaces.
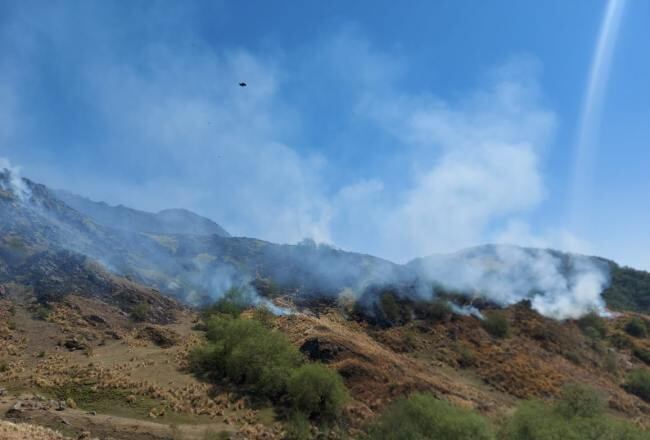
{"x":168,"y":221}
{"x":95,"y":340}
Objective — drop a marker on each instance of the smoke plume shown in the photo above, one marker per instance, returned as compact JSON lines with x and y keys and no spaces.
{"x":558,"y":285}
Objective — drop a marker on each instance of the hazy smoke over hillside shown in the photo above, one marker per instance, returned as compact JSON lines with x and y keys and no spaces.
{"x":202,"y":268}
{"x":558,"y":285}
{"x":13,"y":183}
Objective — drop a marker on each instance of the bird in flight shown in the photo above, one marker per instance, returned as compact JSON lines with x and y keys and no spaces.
{"x":242,"y":84}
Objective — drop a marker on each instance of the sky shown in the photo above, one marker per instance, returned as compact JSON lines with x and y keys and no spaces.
{"x":398,"y":129}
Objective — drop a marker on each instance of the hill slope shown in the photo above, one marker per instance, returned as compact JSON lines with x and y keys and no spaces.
{"x":168,"y":221}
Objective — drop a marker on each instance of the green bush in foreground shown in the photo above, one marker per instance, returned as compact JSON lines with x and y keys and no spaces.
{"x":496,"y":324}
{"x":638,"y":383}
{"x":422,"y":417}
{"x":579,"y":415}
{"x":247,"y":353}
{"x":317,"y":391}
{"x":298,"y":427}
{"x":579,"y":400}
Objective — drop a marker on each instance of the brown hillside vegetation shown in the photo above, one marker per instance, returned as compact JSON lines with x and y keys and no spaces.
{"x":82,"y":366}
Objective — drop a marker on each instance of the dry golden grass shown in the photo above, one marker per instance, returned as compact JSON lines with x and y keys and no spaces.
{"x":22,"y":431}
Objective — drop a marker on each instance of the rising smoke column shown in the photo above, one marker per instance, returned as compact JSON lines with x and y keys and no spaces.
{"x":558,"y":285}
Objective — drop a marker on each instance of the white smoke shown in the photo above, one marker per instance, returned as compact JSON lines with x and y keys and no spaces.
{"x":559,"y":286}
{"x":14,"y":183}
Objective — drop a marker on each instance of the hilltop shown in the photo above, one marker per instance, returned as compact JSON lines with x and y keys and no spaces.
{"x":99,"y":316}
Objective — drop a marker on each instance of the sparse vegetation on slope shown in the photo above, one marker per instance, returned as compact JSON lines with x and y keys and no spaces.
{"x":578,"y":415}
{"x":422,"y":416}
{"x":249,"y":353}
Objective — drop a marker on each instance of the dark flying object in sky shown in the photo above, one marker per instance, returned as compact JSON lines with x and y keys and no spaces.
{"x":242,"y":84}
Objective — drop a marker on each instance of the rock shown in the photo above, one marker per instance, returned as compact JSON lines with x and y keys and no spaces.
{"x":74,"y":344}
{"x":60,"y":405}
{"x":85,"y":435}
{"x":92,"y":413}
{"x":2,"y":391}
{"x":320,"y":350}
{"x":16,"y":411}
{"x":65,"y":422}
{"x":95,"y":319}
{"x":160,"y":336}
{"x":71,"y":403}
{"x":131,"y":399}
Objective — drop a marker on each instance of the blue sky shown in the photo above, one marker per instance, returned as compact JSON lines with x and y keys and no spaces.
{"x":394,"y":128}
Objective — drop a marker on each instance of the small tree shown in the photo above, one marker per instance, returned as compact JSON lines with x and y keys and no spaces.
{"x":140,"y":312}
{"x":316,"y":390}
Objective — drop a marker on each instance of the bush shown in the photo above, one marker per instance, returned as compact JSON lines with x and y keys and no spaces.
{"x":535,"y":420}
{"x":247,"y":353}
{"x":298,"y":427}
{"x":466,"y":357}
{"x":315,"y":390}
{"x":593,"y":326}
{"x":233,"y":302}
{"x":496,"y":324}
{"x":42,"y":312}
{"x":580,"y":401}
{"x":421,"y":416}
{"x":636,"y":327}
{"x":638,"y":383}
{"x":4,"y":366}
{"x":390,"y":308}
{"x":265,"y":316}
{"x":437,"y":311}
{"x":140,"y":312}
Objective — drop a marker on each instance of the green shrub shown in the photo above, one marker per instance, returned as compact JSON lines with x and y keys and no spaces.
{"x":593,"y":326}
{"x":233,"y":302}
{"x":636,"y":327}
{"x":620,"y":340}
{"x":535,"y":420}
{"x":4,"y":366}
{"x":437,"y":311}
{"x":42,"y":312}
{"x":422,"y":417}
{"x":579,"y":400}
{"x":316,"y":390}
{"x":389,"y":307}
{"x":496,"y":324}
{"x":140,"y":312}
{"x":638,"y":383}
{"x":247,"y":353}
{"x":466,"y":357}
{"x":265,"y":316}
{"x":298,"y":427}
